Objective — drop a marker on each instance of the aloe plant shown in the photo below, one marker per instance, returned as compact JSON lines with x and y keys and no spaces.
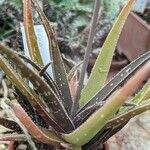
{"x":53,"y":111}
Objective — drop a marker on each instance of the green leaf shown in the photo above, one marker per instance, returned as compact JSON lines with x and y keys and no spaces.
{"x":85,"y":132}
{"x":58,"y":66}
{"x":128,"y":115}
{"x":15,"y":3}
{"x":141,"y":96}
{"x":80,"y":21}
{"x":103,"y":136}
{"x":30,"y":33}
{"x":101,"y":68}
{"x":112,"y":8}
{"x":111,"y":86}
{"x":101,"y":97}
{"x":82,"y":116}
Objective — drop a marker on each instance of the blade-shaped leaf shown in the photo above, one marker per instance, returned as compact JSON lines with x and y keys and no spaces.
{"x":9,"y":124}
{"x":101,"y":68}
{"x":111,"y":86}
{"x":102,"y":137}
{"x":144,"y":94}
{"x":96,"y":142}
{"x":115,"y":130}
{"x":48,"y":95}
{"x":30,"y":33}
{"x":58,"y":66}
{"x":30,"y":109}
{"x":100,"y":98}
{"x":81,"y":135}
{"x":141,"y":96}
{"x":128,"y":115}
{"x":83,"y":115}
{"x":29,"y":93}
{"x":46,"y":76}
{"x":47,"y":137}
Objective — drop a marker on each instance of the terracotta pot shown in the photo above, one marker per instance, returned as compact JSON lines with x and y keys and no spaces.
{"x":135,"y":37}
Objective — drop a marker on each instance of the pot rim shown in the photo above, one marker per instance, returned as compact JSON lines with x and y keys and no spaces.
{"x":140,"y":20}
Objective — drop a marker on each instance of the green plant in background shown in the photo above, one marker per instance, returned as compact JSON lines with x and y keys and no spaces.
{"x":77,"y":5}
{"x":9,"y":16}
{"x":112,"y":9}
{"x":52,"y":111}
{"x":80,"y":10}
{"x":16,"y":3}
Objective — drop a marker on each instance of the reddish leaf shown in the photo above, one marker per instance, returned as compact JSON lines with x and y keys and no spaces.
{"x":30,"y":33}
{"x":47,"y":137}
{"x":73,"y":84}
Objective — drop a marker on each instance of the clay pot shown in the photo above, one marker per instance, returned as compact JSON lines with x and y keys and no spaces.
{"x":135,"y":37}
